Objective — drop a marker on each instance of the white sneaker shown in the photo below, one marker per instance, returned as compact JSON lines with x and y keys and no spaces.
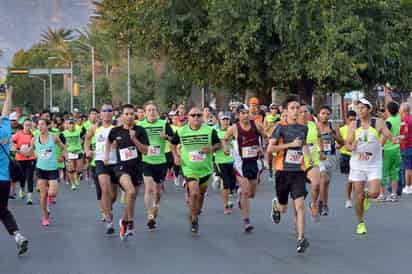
{"x":405,"y":190}
{"x":381,"y":198}
{"x":409,"y":190}
{"x":348,"y":204}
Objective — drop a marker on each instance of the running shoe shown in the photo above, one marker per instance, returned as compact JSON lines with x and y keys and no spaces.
{"x":22,"y":244}
{"x":302,"y":245}
{"x":169,"y":176}
{"x":123,"y":229}
{"x":45,"y":222}
{"x":130,"y":231}
{"x":393,"y":198}
{"x":381,"y":198}
{"x":29,"y":199}
{"x":151,"y":222}
{"x":109,"y":228}
{"x":366,"y":204}
{"x":320,"y":208}
{"x":275,"y":211}
{"x":361,"y":229}
{"x":248,"y":228}
{"x":325,"y":210}
{"x":74,"y":187}
{"x":227,"y":210}
{"x":348,"y":204}
{"x":102,"y":217}
{"x":195,"y":226}
{"x":230,"y":202}
{"x":22,"y":194}
{"x":12,"y":196}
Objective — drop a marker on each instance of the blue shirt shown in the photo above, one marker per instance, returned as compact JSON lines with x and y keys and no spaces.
{"x":5,"y":137}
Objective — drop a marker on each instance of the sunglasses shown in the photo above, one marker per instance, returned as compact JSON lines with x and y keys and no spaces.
{"x":198,"y":115}
{"x":107,"y":110}
{"x":244,"y":112}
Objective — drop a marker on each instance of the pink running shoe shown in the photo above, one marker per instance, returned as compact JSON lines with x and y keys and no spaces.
{"x":45,"y":222}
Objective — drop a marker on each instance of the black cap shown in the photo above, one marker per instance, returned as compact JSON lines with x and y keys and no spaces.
{"x":242,"y":108}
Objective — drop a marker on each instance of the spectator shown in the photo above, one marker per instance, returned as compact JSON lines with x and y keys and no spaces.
{"x":6,"y":216}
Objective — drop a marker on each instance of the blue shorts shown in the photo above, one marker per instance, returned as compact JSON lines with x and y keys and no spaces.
{"x":407,"y":158}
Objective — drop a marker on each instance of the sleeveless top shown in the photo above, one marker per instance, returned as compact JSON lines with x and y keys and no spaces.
{"x":368,"y":153}
{"x":46,"y":154}
{"x":248,"y":141}
{"x":101,"y":134}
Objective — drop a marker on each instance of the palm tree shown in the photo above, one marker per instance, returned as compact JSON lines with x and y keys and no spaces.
{"x":56,"y":41}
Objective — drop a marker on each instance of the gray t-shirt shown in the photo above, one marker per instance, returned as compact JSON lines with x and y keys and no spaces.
{"x":290,"y":159}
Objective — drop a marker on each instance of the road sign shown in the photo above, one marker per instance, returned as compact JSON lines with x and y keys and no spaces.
{"x":49,"y":71}
{"x":18,"y":71}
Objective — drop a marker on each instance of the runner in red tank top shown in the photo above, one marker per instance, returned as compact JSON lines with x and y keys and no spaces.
{"x":247,"y":149}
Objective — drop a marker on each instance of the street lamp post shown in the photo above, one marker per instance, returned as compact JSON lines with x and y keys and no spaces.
{"x":51,"y":90}
{"x":93,"y":81}
{"x":71,"y":87}
{"x":128,"y":76}
{"x":93,"y":72}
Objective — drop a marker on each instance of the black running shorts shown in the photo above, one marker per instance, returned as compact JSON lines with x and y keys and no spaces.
{"x":290,"y":182}
{"x":157,"y":172}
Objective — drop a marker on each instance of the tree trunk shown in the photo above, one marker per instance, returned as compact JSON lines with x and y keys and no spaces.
{"x":305,"y":89}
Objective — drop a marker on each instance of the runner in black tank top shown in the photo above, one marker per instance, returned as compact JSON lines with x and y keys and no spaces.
{"x":247,"y":151}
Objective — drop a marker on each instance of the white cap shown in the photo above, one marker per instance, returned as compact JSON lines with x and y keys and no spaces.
{"x":75,"y":110}
{"x":13,"y":116}
{"x":365,"y":102}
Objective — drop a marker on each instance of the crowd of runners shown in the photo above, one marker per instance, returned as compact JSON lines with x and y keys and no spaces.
{"x":123,"y":149}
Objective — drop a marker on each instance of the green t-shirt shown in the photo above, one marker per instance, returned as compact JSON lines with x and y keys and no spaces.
{"x":195,"y":164}
{"x":156,"y":151}
{"x":73,"y":141}
{"x":394,"y":125}
{"x":220,"y":156}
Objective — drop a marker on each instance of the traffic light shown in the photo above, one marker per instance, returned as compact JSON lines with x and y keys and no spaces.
{"x":76,"y":89}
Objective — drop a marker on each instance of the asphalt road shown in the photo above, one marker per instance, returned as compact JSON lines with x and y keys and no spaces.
{"x":76,"y":240}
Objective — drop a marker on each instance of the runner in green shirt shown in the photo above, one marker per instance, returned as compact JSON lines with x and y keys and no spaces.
{"x":224,"y":162}
{"x":198,"y":143}
{"x":391,"y":154}
{"x":89,"y":162}
{"x":154,"y":162}
{"x":72,"y":138}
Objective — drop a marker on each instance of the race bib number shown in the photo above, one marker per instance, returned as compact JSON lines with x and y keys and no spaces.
{"x":365,"y":156}
{"x":327,"y":146}
{"x":196,"y":157}
{"x":24,"y":148}
{"x":73,"y":156}
{"x":45,"y":154}
{"x":127,"y":154}
{"x":294,"y":156}
{"x":153,"y":151}
{"x":249,"y":152}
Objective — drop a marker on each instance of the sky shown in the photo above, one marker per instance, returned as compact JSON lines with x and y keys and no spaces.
{"x":23,"y":21}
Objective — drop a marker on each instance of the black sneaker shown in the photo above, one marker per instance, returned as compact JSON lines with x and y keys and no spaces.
{"x":325,"y":210}
{"x":195,"y":226}
{"x":320,"y":207}
{"x":275,"y":211}
{"x":109,"y":228}
{"x":151,"y":223}
{"x":302,"y":245}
